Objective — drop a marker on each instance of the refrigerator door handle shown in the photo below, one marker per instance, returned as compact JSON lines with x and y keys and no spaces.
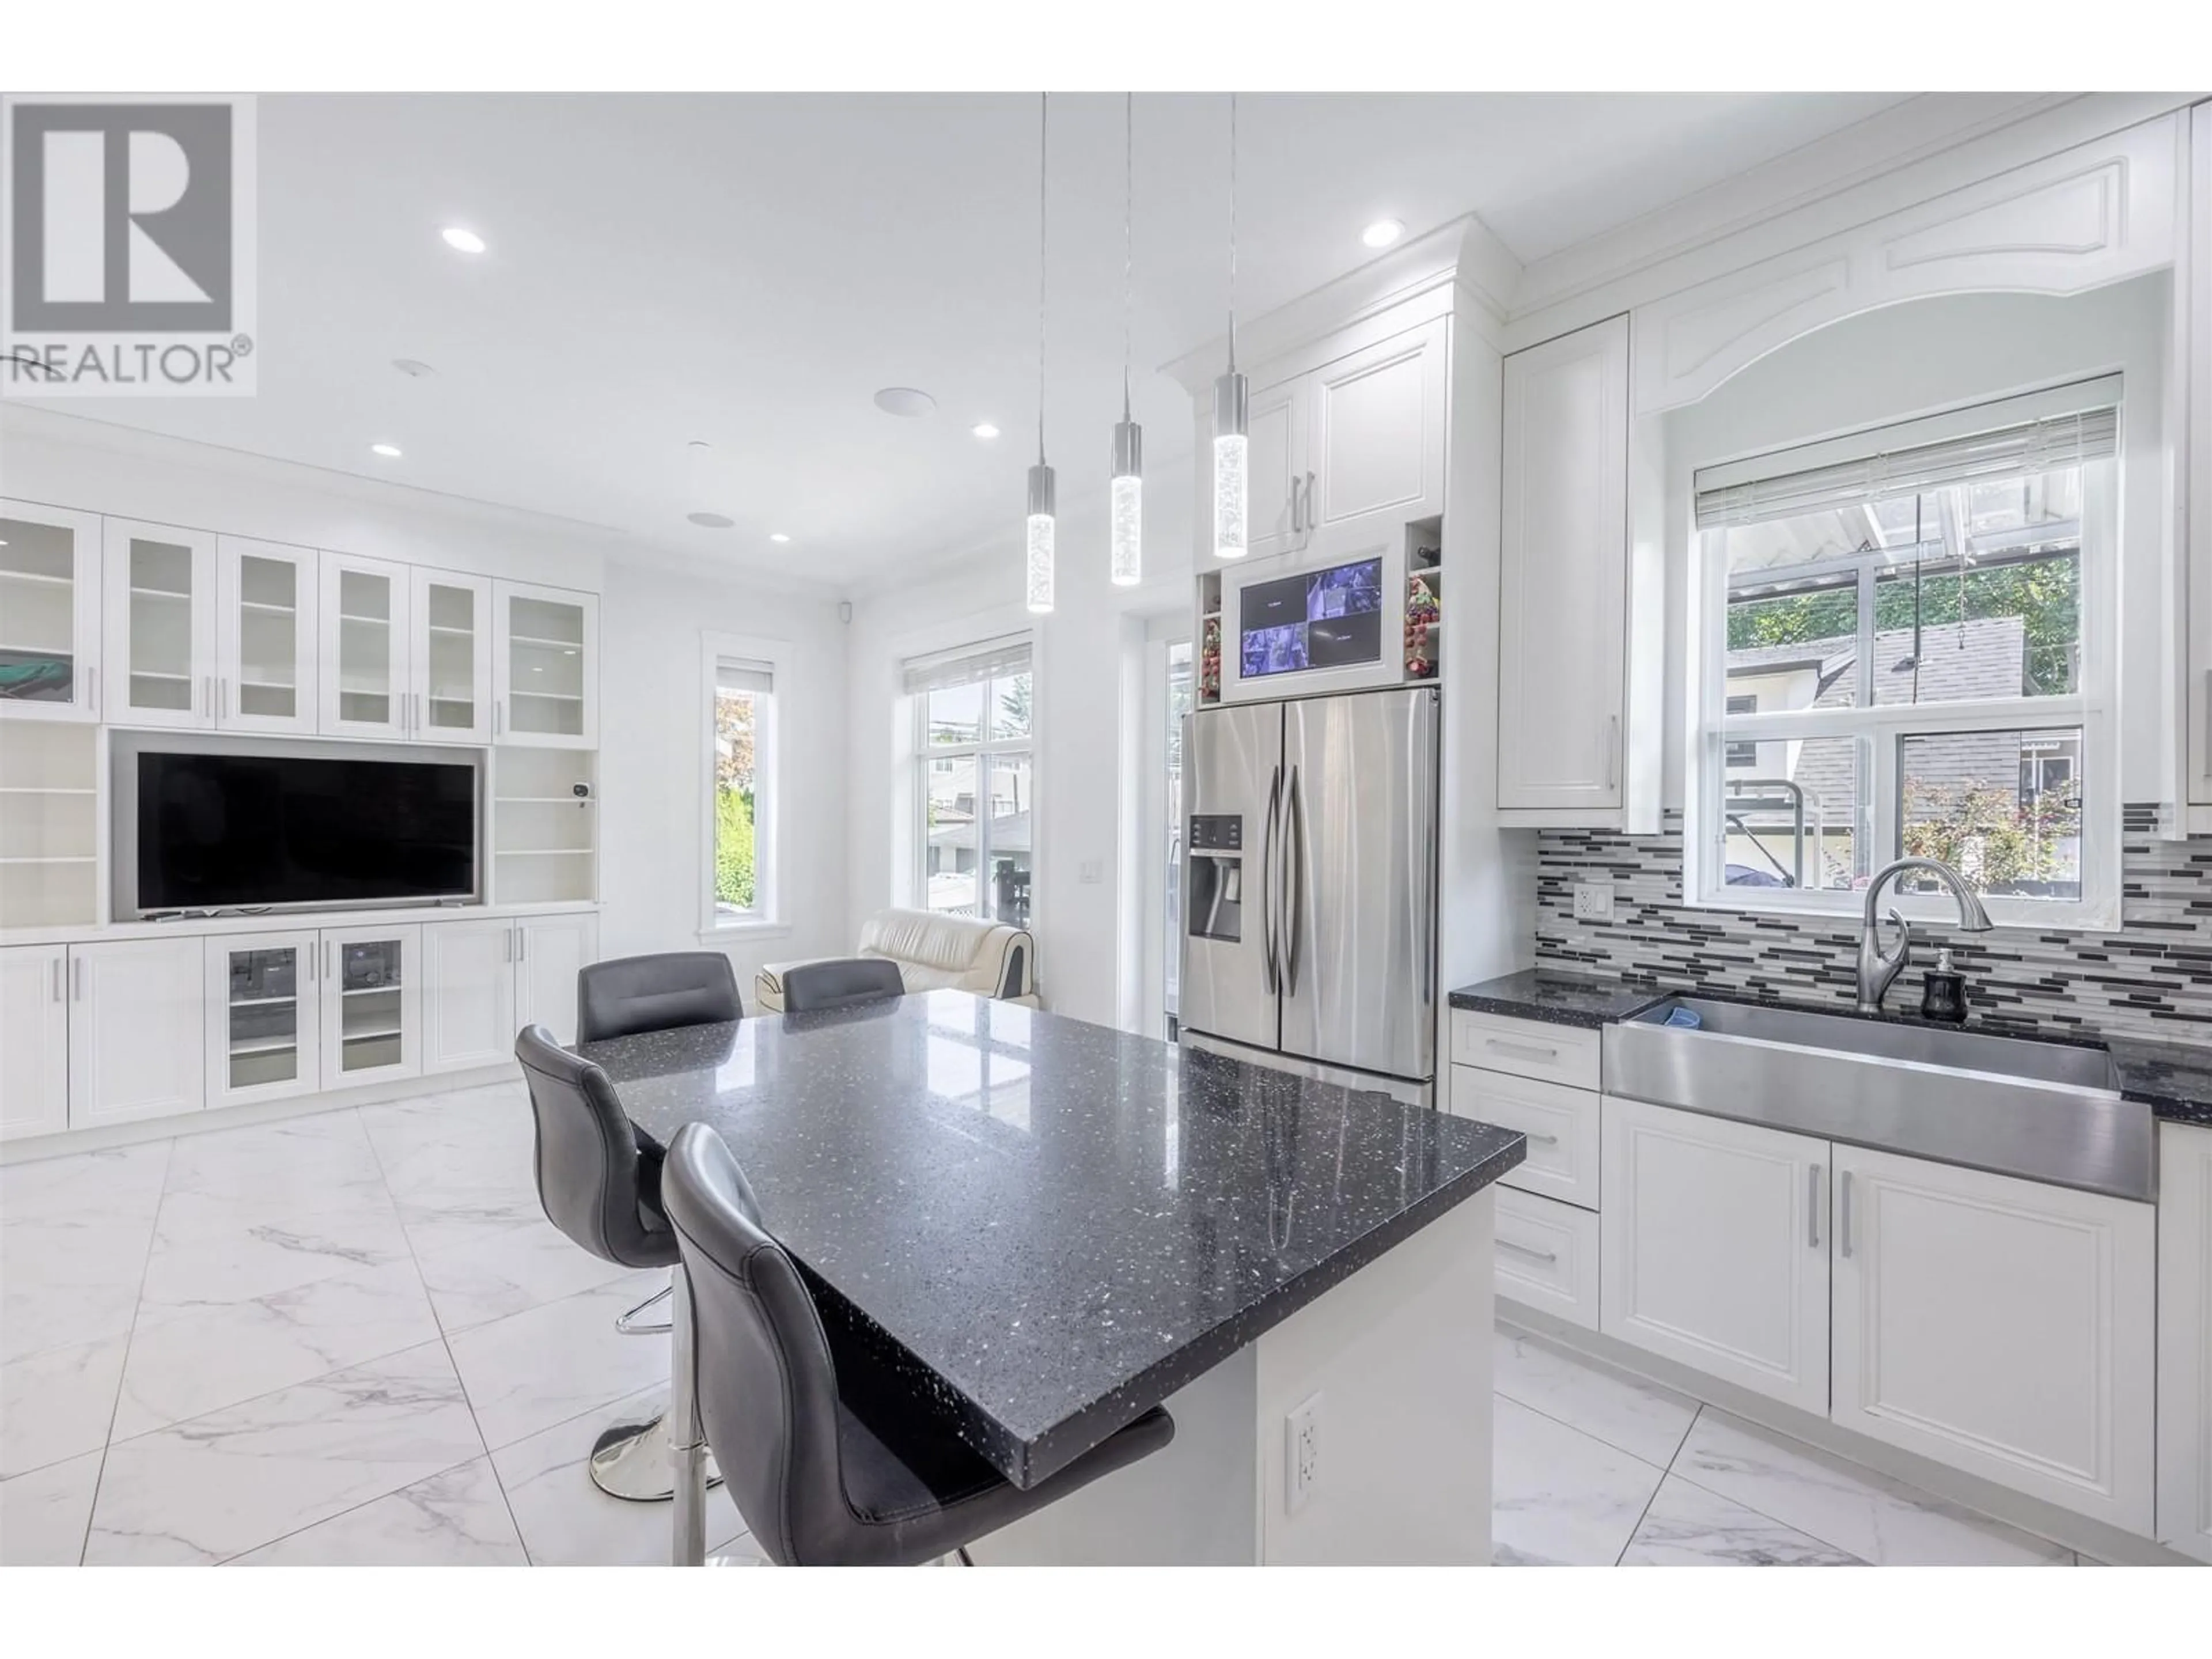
{"x":1294,"y":885}
{"x":1267,"y":895}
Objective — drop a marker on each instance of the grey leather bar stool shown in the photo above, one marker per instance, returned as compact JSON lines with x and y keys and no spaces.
{"x":839,"y":982}
{"x":829,"y":1466}
{"x":629,"y":995}
{"x":599,"y":1177}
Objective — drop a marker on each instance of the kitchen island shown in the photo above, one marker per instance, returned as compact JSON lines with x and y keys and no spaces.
{"x":1049,"y":1227}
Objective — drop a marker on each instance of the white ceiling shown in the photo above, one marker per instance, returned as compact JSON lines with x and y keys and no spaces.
{"x":749,"y":270}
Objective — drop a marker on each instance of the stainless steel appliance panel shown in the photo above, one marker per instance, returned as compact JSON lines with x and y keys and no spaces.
{"x":1405,"y":1091}
{"x":1232,"y":789}
{"x":1358,"y":881}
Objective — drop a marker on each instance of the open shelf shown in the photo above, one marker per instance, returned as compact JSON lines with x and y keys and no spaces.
{"x":49,"y":824}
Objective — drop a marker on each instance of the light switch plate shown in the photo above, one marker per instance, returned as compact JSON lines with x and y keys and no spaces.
{"x":1593,"y":901}
{"x":1090,"y":872}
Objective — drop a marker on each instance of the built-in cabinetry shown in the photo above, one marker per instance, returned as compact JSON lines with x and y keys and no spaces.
{"x":2003,"y":1327}
{"x":2195,"y":327}
{"x":265,"y":622}
{"x":363,"y":654}
{"x":49,"y":608}
{"x":486,"y":979}
{"x":49,"y":824}
{"x":1580,"y":637}
{"x":35,"y":1027}
{"x":2185,"y":1338}
{"x":113,"y":1031}
{"x":161,"y":625}
{"x":449,"y":657}
{"x":545,"y":667}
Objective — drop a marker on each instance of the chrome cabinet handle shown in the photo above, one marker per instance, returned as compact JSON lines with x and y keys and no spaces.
{"x":1530,"y":1050}
{"x":507,"y":945}
{"x":309,"y":955}
{"x":1843,"y":1218}
{"x":1294,"y":885}
{"x":77,"y":979}
{"x":58,"y":974}
{"x":1612,"y":753}
{"x":326,"y":958}
{"x":1546,"y":1256}
{"x":1812,"y":1206}
{"x":1313,"y":512}
{"x":522,"y":944}
{"x":1297,"y":522}
{"x":1272,"y":971}
{"x":1535,"y":1140}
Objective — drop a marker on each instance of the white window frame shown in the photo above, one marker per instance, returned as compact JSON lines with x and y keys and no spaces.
{"x":777,"y":656}
{"x":2093,"y":708}
{"x":982,"y":752}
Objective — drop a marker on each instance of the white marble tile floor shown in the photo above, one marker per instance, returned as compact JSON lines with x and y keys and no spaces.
{"x":353,"y":1338}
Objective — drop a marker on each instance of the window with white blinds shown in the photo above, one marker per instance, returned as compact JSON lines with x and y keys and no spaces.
{"x":1912,"y":637}
{"x":975,"y":789}
{"x":740,"y":711}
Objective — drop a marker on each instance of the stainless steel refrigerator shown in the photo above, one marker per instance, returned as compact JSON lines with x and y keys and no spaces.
{"x":1309,"y":886}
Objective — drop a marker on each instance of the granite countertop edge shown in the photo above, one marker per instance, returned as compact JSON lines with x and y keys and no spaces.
{"x":2173,"y":1079}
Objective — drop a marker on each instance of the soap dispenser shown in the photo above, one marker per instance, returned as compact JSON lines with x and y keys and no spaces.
{"x":1944,"y":993}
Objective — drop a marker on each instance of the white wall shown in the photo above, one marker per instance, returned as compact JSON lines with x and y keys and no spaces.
{"x":652,"y":765}
{"x":653,"y":775}
{"x":1928,"y":355}
{"x":1088,"y":747}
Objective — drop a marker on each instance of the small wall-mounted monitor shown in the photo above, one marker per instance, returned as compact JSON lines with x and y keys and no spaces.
{"x":1328,"y":618}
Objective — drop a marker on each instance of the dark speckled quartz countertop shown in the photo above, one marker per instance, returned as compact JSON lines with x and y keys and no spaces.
{"x":2174,"y":1080}
{"x":1047,"y":1226}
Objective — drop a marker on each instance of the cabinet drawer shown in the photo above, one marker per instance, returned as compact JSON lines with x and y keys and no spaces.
{"x":1561,"y":1124}
{"x":1548,"y":1256}
{"x":1526,"y":1047}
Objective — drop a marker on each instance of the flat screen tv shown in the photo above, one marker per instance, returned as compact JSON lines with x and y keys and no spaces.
{"x":240,"y":832}
{"x":1322,"y":619}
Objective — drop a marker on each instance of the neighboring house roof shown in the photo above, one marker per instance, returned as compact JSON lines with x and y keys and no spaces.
{"x":1010,"y":833}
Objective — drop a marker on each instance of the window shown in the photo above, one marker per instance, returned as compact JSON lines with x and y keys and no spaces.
{"x":976,"y":794}
{"x":740,"y":685}
{"x":1900,"y":633}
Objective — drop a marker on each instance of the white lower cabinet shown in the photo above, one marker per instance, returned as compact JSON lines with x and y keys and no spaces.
{"x":484,"y":980}
{"x":1714,"y":1252}
{"x":1546,"y":1255}
{"x":35,"y":1027}
{"x":372,"y":1005}
{"x":137,"y":1031}
{"x":2003,"y":1327}
{"x":2185,"y":1338}
{"x":263,"y":1032}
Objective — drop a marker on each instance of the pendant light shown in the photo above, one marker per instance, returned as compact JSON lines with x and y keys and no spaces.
{"x":1038,"y":565}
{"x":1232,"y":399}
{"x":1125,"y":539}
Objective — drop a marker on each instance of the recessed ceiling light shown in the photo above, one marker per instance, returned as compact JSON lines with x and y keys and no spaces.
{"x":390,"y":452}
{"x":464,"y":240}
{"x":413,"y":368}
{"x":711,"y":520}
{"x":905,"y":402}
{"x":984,"y":429}
{"x":777,"y":535}
{"x":1382,"y":232}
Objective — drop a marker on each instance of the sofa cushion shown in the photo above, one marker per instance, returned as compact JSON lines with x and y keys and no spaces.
{"x":926,"y":938}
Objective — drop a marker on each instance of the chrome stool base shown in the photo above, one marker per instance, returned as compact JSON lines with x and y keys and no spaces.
{"x":636,"y":1462}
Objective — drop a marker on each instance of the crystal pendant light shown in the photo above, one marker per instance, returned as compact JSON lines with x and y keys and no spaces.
{"x":1232,"y":399}
{"x":1038,"y":562}
{"x":1126,"y":537}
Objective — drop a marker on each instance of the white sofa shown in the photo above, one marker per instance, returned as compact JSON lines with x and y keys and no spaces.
{"x":934,"y":952}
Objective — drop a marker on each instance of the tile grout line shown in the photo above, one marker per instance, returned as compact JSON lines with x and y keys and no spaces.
{"x":445,"y":1341}
{"x":1665,"y":1474}
{"x":137,"y":1300}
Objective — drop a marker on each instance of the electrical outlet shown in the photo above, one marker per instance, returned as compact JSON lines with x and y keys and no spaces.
{"x":1593,"y":901}
{"x":1301,"y":1453}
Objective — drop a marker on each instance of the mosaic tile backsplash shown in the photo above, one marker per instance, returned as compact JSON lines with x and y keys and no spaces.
{"x":2152,"y":979}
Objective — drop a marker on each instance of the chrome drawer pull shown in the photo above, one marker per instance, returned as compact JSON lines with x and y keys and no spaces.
{"x":1535,"y":1140}
{"x":1523,"y":1249}
{"x":1533,"y":1050}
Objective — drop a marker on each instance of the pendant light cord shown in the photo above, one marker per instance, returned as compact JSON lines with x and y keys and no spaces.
{"x":1044,"y":100}
{"x":1232,"y":232}
{"x":1129,"y":237}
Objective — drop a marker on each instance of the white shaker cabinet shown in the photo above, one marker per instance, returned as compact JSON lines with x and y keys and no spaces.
{"x":1376,"y":444}
{"x":449,"y":658}
{"x":2000,"y":1326}
{"x":159,"y":625}
{"x":2196,"y":699}
{"x":1579,"y":639}
{"x":1715,"y":1248}
{"x":50,"y":607}
{"x":34,"y":1028}
{"x":137,"y":1030}
{"x":265,"y":623}
{"x":2185,"y":1338}
{"x":1274,"y":470}
{"x":468,"y":994}
{"x":550,"y":952}
{"x":545,"y":666}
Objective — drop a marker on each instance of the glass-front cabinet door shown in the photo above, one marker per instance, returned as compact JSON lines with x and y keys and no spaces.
{"x":364,"y":647}
{"x":449,"y":659}
{"x":265,"y":636}
{"x":372,"y":1005}
{"x":49,"y":613}
{"x":545,"y":667}
{"x":161,"y":628}
{"x":264,"y":1019}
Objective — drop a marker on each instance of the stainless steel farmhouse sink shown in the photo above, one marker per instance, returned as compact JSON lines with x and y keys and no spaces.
{"x":2048,"y":1111}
